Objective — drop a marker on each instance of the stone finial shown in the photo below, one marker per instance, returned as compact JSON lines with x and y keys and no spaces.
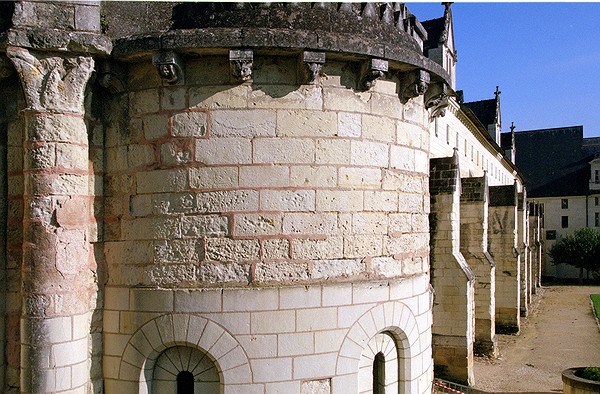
{"x":169,"y":66}
{"x":312,"y":63}
{"x":52,"y":83}
{"x":371,"y":70}
{"x":414,"y":84}
{"x":241,"y":62}
{"x":111,"y":77}
{"x":436,"y":100}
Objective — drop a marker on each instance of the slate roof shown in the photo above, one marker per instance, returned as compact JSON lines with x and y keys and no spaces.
{"x":485,"y":110}
{"x":434,"y":28}
{"x":553,"y":161}
{"x":505,"y":141}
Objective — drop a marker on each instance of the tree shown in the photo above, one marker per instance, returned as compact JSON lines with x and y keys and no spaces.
{"x":581,"y":250}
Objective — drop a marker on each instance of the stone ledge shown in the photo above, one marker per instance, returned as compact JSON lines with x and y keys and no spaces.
{"x":57,"y":40}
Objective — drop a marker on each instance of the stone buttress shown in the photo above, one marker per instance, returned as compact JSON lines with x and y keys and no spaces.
{"x":474,"y":201}
{"x":535,"y":242}
{"x":451,"y":277}
{"x":503,"y":241}
{"x":523,"y":246}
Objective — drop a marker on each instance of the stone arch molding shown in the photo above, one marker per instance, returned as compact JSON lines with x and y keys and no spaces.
{"x":166,"y":331}
{"x":393,"y":318}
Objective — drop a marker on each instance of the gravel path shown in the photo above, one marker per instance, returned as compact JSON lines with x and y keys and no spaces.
{"x":559,"y":333}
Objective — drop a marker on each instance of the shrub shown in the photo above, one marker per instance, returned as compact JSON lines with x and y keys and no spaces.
{"x":589,"y":373}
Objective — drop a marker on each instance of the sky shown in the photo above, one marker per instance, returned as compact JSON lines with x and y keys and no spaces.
{"x":545,"y":57}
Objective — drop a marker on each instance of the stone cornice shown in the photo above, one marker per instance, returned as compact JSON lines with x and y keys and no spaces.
{"x":57,"y":40}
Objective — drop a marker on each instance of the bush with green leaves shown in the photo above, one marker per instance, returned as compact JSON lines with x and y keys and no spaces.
{"x":581,"y":250}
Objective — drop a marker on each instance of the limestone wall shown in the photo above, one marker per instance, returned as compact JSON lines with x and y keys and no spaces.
{"x":241,"y":192}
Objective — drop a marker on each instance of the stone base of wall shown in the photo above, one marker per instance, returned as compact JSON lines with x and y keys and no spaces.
{"x":453,"y":359}
{"x":273,"y":339}
{"x":507,"y":320}
{"x":486,"y":348}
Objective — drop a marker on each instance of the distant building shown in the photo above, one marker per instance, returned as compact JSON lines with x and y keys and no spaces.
{"x":562,"y":171}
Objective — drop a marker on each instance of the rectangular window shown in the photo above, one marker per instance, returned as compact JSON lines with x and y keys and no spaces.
{"x":564,"y":203}
{"x":447,"y":134}
{"x":564,"y":221}
{"x":597,"y":176}
{"x":596,"y":201}
{"x":597,"y":219}
{"x":550,"y":235}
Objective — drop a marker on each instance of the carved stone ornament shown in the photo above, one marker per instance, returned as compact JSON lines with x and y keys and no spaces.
{"x":52,"y":83}
{"x":241,"y":62}
{"x":169,"y":66}
{"x":312,"y":63}
{"x":371,"y":70}
{"x":414,"y":83}
{"x":436,"y":100}
{"x":111,"y":77}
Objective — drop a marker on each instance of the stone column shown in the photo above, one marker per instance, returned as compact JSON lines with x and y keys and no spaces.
{"x":502,"y":246}
{"x":451,"y":277}
{"x":523,"y":245}
{"x":59,"y":273}
{"x":474,"y":247}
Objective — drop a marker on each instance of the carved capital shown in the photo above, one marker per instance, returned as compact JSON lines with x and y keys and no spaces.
{"x":169,"y":66}
{"x":414,"y":84}
{"x":50,"y":82}
{"x":436,"y":100}
{"x":241,"y":62}
{"x":311,"y":65}
{"x":371,"y":70}
{"x":111,"y":77}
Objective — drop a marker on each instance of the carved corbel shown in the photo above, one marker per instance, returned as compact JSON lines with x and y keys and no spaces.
{"x":311,"y":65}
{"x":414,"y":84}
{"x":241,"y":62}
{"x":371,"y":70}
{"x":111,"y":76}
{"x":169,"y":66}
{"x":436,"y":100}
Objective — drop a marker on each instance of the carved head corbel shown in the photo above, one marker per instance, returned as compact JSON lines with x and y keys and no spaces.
{"x":436,"y":99}
{"x":311,"y":66}
{"x":241,"y":62}
{"x":371,"y":71}
{"x":111,"y":76}
{"x":414,"y":84}
{"x":169,"y":67}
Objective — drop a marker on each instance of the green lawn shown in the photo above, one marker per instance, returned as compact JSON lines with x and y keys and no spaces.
{"x":596,"y":301}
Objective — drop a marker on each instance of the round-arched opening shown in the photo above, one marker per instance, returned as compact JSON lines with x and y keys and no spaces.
{"x":379,"y":374}
{"x":185,"y":382}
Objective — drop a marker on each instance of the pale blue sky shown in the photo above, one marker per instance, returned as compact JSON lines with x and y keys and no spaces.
{"x":544,"y":56}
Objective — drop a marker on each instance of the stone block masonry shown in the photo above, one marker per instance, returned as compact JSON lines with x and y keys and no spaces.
{"x":451,"y":277}
{"x":474,"y":201}
{"x":503,"y":238}
{"x":523,"y":246}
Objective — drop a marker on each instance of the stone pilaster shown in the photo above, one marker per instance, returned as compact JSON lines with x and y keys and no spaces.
{"x":523,"y":245}
{"x":451,"y":277}
{"x":474,"y":247}
{"x":502,"y":245}
{"x":59,"y":273}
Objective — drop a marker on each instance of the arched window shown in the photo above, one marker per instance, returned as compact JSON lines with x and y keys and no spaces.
{"x":185,"y":382}
{"x":379,"y":374}
{"x":185,"y":370}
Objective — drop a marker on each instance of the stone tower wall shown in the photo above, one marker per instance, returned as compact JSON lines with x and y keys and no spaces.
{"x":284,"y":215}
